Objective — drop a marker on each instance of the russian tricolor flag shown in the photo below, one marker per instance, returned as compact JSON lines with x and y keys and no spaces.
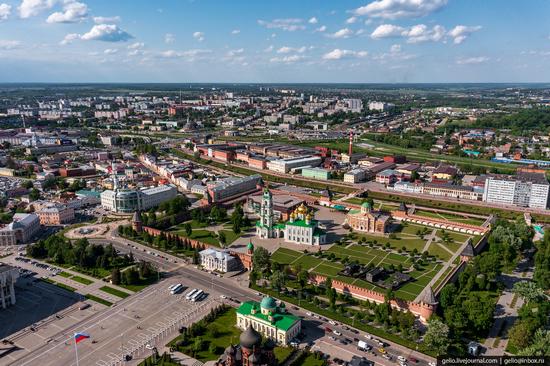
{"x":80,"y":337}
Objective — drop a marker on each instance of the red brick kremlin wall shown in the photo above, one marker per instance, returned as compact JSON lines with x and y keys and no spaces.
{"x":245,"y":258}
{"x":424,"y":311}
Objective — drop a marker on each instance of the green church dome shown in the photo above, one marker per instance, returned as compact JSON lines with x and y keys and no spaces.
{"x":268,"y":303}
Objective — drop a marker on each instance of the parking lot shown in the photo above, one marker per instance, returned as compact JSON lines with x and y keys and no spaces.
{"x":151,"y":317}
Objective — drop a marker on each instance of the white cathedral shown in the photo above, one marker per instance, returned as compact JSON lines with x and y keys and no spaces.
{"x":300,"y":229}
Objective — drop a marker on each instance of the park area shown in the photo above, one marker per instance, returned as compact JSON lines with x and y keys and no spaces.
{"x":206,"y":233}
{"x":402,"y":251}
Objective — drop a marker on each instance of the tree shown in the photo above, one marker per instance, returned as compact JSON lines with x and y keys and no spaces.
{"x":222,"y":238}
{"x":437,"y":336}
{"x":261,"y":260}
{"x":539,"y":346}
{"x":188,"y":229}
{"x":131,"y":276}
{"x":302,"y":277}
{"x":529,"y":291}
{"x":115,"y":276}
{"x":278,"y":280}
{"x":447,"y":295}
{"x":34,"y":195}
{"x":330,"y":292}
{"x":520,"y":335}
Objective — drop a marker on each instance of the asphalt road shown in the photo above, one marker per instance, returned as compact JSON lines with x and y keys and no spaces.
{"x":315,"y":325}
{"x":116,"y":328}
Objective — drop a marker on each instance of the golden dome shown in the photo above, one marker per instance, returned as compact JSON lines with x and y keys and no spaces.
{"x":302,"y":209}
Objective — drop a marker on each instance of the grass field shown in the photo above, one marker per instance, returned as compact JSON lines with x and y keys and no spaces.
{"x":115,"y":292}
{"x":98,"y":300}
{"x":200,"y":233}
{"x":450,"y":217}
{"x":365,"y":255}
{"x":82,"y":280}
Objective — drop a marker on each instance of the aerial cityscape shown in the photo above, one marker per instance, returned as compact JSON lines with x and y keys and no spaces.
{"x":274,"y":183}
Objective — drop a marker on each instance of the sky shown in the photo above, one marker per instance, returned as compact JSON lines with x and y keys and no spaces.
{"x":275,"y":41}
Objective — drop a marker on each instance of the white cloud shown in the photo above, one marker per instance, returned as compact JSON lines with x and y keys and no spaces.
{"x":287,"y":24}
{"x":286,"y":49}
{"x":103,"y":20}
{"x":235,"y":56}
{"x":313,"y":20}
{"x":386,"y":31}
{"x":199,"y":36}
{"x":393,"y":9}
{"x":170,"y":54}
{"x":110,"y":51}
{"x":9,"y":44}
{"x":136,"y":46}
{"x":69,"y":38}
{"x":106,"y":33}
{"x":472,"y":60}
{"x":233,"y":53}
{"x":5,"y":11}
{"x":30,"y":8}
{"x":235,"y":31}
{"x":395,"y":54}
{"x":338,"y":54}
{"x":321,"y":28}
{"x":342,"y":33}
{"x":461,"y":32}
{"x":193,"y":54}
{"x":421,"y":33}
{"x":73,"y":12}
{"x":189,"y":55}
{"x":415,"y":34}
{"x":269,"y":49}
{"x":396,"y":48}
{"x":351,"y":20}
{"x":169,"y":38}
{"x":287,"y":59}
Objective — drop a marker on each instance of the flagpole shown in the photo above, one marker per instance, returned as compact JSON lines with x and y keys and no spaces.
{"x":76,"y":351}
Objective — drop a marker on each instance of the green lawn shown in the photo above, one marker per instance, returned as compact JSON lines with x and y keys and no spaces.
{"x":64,"y":274}
{"x":114,"y":291}
{"x":402,"y":239}
{"x":82,"y":280}
{"x":226,"y":333}
{"x":439,"y":252}
{"x":282,"y":353}
{"x":310,"y":360}
{"x":450,"y":217}
{"x":365,"y":255}
{"x":59,"y":284}
{"x":98,"y":300}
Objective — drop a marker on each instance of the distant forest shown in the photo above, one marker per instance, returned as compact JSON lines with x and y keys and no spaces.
{"x":524,"y":122}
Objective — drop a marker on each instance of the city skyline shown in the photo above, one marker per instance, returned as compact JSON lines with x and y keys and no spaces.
{"x":383,"y":41}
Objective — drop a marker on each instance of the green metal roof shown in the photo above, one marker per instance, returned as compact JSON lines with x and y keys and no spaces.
{"x":302,"y":223}
{"x":280,"y":321}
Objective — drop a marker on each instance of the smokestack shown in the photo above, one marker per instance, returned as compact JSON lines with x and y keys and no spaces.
{"x":350,"y":149}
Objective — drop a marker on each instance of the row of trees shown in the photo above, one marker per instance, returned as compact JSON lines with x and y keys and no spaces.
{"x":530,"y":335}
{"x":165,"y":242}
{"x":80,"y":253}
